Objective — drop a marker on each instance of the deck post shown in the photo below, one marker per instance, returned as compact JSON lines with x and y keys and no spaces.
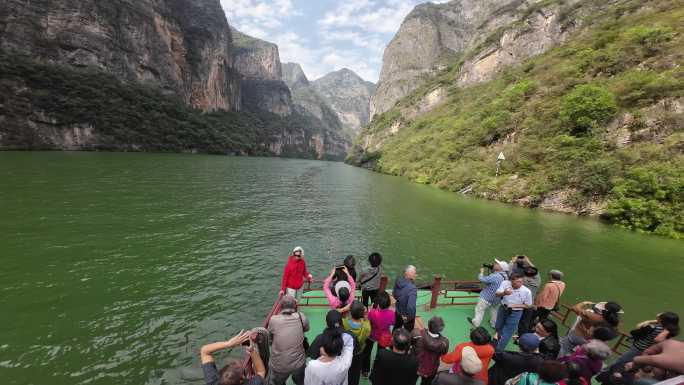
{"x":435,"y":291}
{"x":383,"y":283}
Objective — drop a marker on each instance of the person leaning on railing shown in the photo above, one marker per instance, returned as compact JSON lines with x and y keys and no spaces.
{"x":233,"y":373}
{"x":607,"y":313}
{"x":645,"y":335}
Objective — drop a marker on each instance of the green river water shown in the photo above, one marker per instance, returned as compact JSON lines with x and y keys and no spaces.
{"x":116,"y":268}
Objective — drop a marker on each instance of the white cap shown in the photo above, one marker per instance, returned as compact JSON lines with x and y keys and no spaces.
{"x":470,"y":362}
{"x":504,"y":265}
{"x":298,"y":248}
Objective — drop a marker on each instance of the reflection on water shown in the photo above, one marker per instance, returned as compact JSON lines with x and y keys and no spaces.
{"x":117,"y":267}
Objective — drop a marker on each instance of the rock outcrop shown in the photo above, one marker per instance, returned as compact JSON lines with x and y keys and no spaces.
{"x":308,"y":101}
{"x":486,"y":35}
{"x":258,"y":62}
{"x":181,"y":46}
{"x":294,"y":76}
{"x":137,"y":75}
{"x":349,"y":96}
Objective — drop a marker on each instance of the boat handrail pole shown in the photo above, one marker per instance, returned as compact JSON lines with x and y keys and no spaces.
{"x":247,"y":362}
{"x":436,"y":286}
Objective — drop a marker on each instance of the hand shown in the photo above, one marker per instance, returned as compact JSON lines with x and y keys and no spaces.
{"x":310,"y":278}
{"x":345,"y":270}
{"x":239,"y":339}
{"x":629,"y":366}
{"x":508,"y":291}
{"x":281,"y":292}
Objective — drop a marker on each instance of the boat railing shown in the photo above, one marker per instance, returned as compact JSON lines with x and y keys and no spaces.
{"x":457,"y":293}
{"x":275,"y":309}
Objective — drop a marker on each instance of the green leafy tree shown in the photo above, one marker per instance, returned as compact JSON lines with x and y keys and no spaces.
{"x":586,"y":108}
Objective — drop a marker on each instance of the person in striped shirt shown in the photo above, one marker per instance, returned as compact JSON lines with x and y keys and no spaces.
{"x":645,"y":335}
{"x":488,"y":298}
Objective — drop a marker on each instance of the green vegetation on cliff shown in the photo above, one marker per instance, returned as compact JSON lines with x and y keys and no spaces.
{"x":593,"y":126}
{"x":37,"y":99}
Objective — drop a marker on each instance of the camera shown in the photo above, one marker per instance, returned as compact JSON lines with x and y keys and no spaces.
{"x":489,"y":266}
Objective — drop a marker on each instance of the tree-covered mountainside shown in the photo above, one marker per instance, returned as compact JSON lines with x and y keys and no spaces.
{"x":594,"y":125}
{"x":47,"y":106}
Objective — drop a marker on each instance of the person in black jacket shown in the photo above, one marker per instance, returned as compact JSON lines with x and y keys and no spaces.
{"x":509,"y":364}
{"x":549,"y":345}
{"x":333,"y":321}
{"x":396,"y":366}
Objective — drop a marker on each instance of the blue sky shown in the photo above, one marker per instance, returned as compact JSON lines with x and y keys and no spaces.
{"x":324,"y":35}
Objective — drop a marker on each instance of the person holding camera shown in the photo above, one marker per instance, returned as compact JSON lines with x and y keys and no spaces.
{"x":345,"y":289}
{"x":488,"y":298}
{"x":232,"y":373}
{"x":515,"y":298}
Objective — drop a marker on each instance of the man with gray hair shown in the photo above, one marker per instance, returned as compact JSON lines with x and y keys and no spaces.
{"x":405,"y":293}
{"x":287,"y":351}
{"x":549,"y":296}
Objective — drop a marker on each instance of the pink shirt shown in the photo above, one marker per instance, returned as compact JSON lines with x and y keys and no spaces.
{"x":381,"y":320}
{"x":334,"y":301}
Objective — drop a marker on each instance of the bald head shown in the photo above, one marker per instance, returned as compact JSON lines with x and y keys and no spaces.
{"x":410,"y":272}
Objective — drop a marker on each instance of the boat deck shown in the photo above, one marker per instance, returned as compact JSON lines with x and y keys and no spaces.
{"x":457,"y":327}
{"x":453,"y":307}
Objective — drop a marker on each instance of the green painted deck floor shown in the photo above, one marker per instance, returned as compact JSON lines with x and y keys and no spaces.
{"x":457,"y":328}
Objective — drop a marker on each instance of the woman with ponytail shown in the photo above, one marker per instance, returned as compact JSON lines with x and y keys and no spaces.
{"x":589,"y":315}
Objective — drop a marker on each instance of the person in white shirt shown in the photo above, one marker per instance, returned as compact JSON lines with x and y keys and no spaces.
{"x":515,"y":298}
{"x":333,"y":364}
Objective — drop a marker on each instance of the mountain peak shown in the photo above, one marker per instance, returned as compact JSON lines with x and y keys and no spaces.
{"x":294,"y":76}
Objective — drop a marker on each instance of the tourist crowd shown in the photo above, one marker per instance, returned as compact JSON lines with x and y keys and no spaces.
{"x":407,"y":350}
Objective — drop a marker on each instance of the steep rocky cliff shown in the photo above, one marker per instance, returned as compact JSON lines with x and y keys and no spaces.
{"x":183,"y":47}
{"x":471,"y":42}
{"x":146,"y":75}
{"x":434,"y":37}
{"x":258,"y":62}
{"x":309,"y":102}
{"x":294,"y":76}
{"x":349,"y":96}
{"x":584,"y":98}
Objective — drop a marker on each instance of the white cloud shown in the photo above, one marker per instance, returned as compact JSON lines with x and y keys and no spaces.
{"x":372,"y":16}
{"x":326,"y":36}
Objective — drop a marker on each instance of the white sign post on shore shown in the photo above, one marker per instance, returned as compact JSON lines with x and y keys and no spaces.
{"x":499,"y":159}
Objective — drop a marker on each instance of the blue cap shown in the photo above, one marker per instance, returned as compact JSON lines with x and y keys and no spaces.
{"x":529,"y":341}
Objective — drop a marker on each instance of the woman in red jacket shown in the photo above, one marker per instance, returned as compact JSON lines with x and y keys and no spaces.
{"x":294,"y":274}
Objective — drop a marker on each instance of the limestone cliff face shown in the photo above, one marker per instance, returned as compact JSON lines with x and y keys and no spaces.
{"x":182,"y":46}
{"x":349,"y":96}
{"x":294,"y":76}
{"x":309,"y":103}
{"x":487,"y":34}
{"x":474,"y":40}
{"x":258,"y":62}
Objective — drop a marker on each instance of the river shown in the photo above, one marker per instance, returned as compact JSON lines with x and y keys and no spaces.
{"x":116,"y":268}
